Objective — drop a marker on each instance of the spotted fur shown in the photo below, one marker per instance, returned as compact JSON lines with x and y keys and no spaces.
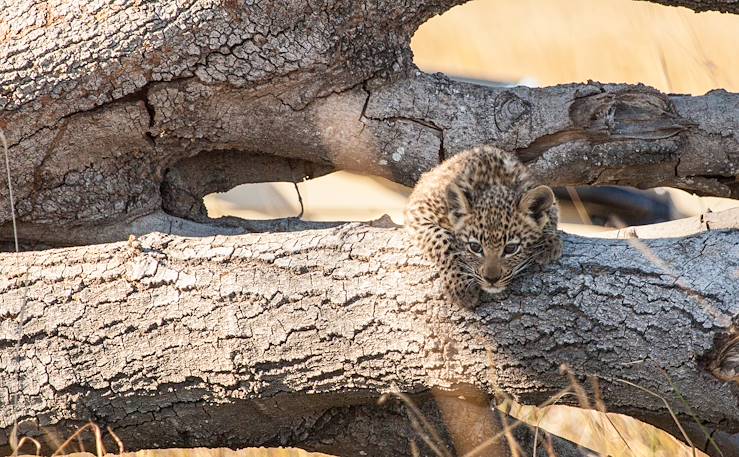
{"x":480,"y":218}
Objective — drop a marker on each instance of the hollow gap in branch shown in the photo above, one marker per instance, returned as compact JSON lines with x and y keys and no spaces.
{"x":651,"y":213}
{"x":189,"y":180}
{"x":339,"y":196}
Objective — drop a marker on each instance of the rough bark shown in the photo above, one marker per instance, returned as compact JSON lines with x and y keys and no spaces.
{"x":106,"y":110}
{"x":303,"y":331}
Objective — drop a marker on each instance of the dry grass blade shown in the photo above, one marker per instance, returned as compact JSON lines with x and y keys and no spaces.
{"x":669,"y":409}
{"x":117,"y":440}
{"x":685,"y":403}
{"x":24,"y":440}
{"x":420,"y":424}
{"x":549,"y":446}
{"x":10,"y":187}
{"x":51,"y":437}
{"x":438,"y":448}
{"x":494,"y":439}
{"x":13,"y":438}
{"x":99,"y":441}
{"x":538,"y":423}
{"x":582,"y":396}
{"x":618,"y":432}
{"x":601,"y":407}
{"x":100,"y":449}
{"x":81,"y":444}
{"x":16,"y":444}
{"x":582,"y":212}
{"x":14,"y":434}
{"x":508,"y":433}
{"x":414,"y":449}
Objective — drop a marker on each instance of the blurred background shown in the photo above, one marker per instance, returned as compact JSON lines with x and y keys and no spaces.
{"x":538,"y":43}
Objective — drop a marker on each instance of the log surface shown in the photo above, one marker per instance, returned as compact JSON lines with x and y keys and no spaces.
{"x":147,"y":336}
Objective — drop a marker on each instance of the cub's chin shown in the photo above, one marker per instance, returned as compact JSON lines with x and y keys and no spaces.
{"x":492,"y":289}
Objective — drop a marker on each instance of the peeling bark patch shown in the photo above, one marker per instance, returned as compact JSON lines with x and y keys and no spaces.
{"x":628,"y":114}
{"x":723,"y":360}
{"x":632,"y":114}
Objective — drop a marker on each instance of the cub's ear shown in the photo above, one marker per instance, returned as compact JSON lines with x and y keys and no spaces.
{"x":536,"y":202}
{"x":459,"y":204}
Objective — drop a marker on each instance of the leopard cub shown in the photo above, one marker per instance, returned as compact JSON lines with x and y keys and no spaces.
{"x":479,"y":217}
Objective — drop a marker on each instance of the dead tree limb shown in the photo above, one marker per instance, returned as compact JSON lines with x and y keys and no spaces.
{"x":302,"y":330}
{"x":117,"y":114}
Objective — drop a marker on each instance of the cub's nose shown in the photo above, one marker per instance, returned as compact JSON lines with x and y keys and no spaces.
{"x":491,"y":272}
{"x":492,"y":278}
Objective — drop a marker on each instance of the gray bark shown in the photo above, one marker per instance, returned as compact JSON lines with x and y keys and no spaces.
{"x":305,"y":330}
{"x":116,"y":114}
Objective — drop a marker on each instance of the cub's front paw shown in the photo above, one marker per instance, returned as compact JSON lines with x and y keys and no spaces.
{"x":463,"y":295}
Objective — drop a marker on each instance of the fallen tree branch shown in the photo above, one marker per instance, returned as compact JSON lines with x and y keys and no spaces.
{"x":149,"y":112}
{"x":309,"y":328}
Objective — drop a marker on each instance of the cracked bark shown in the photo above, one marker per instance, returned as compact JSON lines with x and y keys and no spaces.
{"x":305,"y":330}
{"x":136,"y":116}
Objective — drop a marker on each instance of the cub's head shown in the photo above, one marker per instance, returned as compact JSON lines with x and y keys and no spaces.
{"x":499,"y":231}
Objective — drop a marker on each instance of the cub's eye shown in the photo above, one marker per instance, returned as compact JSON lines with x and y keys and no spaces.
{"x":511,"y":248}
{"x":474,"y":247}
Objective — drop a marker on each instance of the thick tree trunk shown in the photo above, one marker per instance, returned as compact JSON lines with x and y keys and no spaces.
{"x":305,"y":331}
{"x":114,"y":114}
